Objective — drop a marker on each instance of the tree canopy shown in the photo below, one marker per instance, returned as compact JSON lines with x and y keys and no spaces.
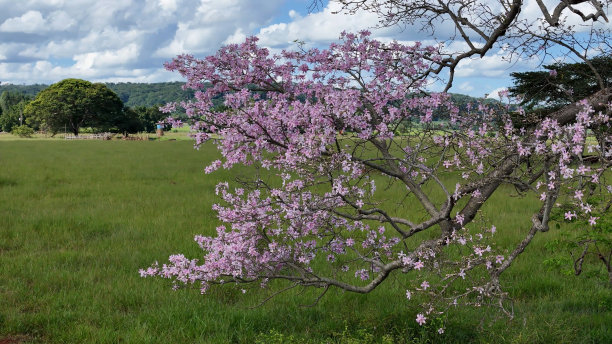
{"x":561,"y":83}
{"x":73,"y":104}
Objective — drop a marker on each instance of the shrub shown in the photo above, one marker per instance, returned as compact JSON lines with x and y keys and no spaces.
{"x":23,"y":131}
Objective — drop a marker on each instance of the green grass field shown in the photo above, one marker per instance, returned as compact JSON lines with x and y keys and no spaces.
{"x":79,"y":218}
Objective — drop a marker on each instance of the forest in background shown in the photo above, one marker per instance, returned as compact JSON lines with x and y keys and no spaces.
{"x":131,"y":94}
{"x":151,"y":94}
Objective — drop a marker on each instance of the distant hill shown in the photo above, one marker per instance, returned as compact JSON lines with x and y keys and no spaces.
{"x":132,"y":94}
{"x":30,"y":90}
{"x":141,"y":94}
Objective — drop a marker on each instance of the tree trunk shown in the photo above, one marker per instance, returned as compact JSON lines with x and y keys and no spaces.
{"x":74,"y":128}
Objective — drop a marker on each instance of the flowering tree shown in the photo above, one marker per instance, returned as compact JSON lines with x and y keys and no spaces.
{"x":336,"y":124}
{"x":342,"y":130}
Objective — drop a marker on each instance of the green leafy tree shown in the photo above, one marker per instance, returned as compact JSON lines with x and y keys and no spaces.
{"x":12,"y":105}
{"x":73,"y":104}
{"x":149,"y":117}
{"x":128,"y":123}
{"x":561,"y":84}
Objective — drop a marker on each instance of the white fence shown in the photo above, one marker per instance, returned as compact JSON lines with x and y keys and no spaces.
{"x":102,"y":136}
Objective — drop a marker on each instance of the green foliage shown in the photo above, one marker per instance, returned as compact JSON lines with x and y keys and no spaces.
{"x":11,"y":109}
{"x":560,"y":84}
{"x":149,"y":117}
{"x":28,"y":90}
{"x":132,"y":94}
{"x":582,"y":248}
{"x":275,"y":337}
{"x":572,"y":82}
{"x":148,"y":95}
{"x":75,"y":103}
{"x":128,"y":123}
{"x":22,"y":131}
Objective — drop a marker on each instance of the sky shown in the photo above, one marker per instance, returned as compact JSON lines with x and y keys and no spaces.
{"x":45,"y":41}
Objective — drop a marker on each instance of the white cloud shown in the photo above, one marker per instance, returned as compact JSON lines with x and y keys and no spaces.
{"x":319,"y":27}
{"x":189,"y":40}
{"x":494,"y":94}
{"x":237,"y":37}
{"x":214,"y":23}
{"x":168,"y":5}
{"x":108,"y":58}
{"x":466,"y":87}
{"x":29,"y":22}
{"x":494,"y":65}
{"x":60,"y":21}
{"x":34,"y":22}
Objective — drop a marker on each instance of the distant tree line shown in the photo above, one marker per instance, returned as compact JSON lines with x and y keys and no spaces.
{"x":69,"y":106}
{"x":140,"y":94}
{"x":131,"y":94}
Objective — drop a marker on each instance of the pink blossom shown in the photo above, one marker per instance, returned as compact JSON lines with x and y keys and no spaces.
{"x":459,"y":219}
{"x":586,"y":208}
{"x":421,"y":319}
{"x":578,"y":194}
{"x":363,"y":274}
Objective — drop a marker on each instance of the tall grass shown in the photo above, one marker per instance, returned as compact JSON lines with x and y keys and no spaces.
{"x":78,"y":219}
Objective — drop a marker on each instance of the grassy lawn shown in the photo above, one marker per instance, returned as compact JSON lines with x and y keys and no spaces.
{"x":79,"y":218}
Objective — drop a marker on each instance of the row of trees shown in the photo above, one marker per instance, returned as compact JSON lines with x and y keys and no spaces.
{"x":132,"y":94}
{"x":73,"y":104}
